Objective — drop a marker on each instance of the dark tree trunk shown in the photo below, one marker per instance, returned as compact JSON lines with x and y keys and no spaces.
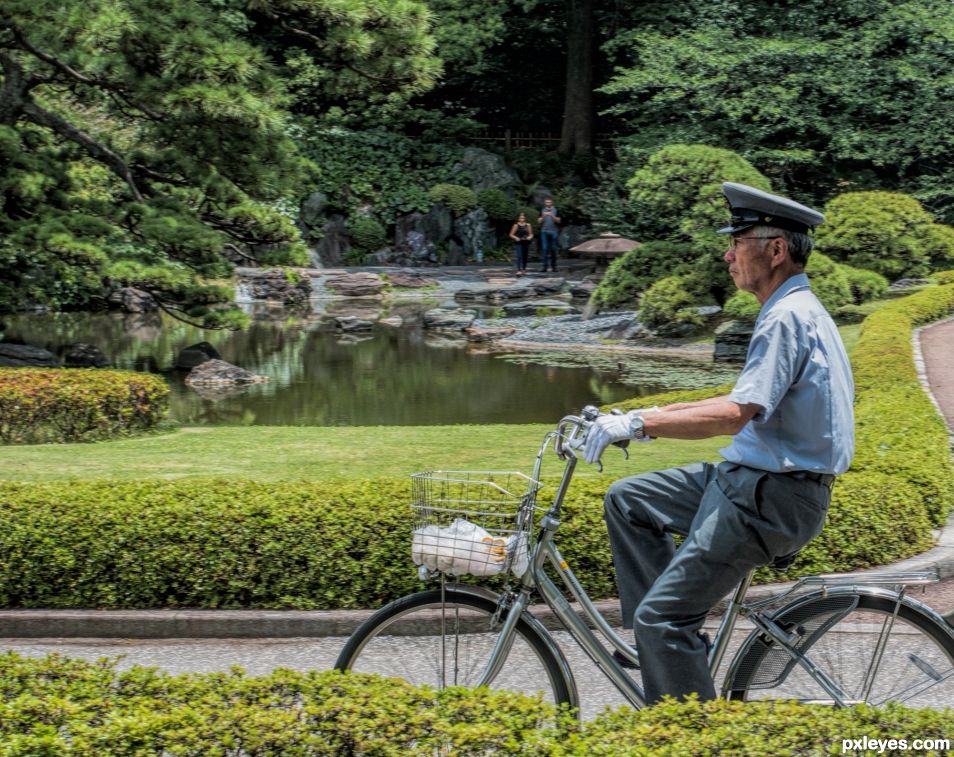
{"x":577,"y":135}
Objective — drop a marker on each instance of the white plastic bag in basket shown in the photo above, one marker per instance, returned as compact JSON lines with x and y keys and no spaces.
{"x":458,"y":549}
{"x":519,"y":557}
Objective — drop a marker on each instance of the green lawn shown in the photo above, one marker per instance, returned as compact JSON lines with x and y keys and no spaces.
{"x":274,"y":453}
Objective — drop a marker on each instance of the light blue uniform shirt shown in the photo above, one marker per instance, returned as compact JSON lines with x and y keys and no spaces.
{"x":797,"y":370}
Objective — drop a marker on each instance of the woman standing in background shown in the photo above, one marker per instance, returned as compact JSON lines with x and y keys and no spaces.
{"x":521,"y":233}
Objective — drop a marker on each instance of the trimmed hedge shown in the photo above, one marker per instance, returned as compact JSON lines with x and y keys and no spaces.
{"x":217,"y":543}
{"x":59,"y":707}
{"x":81,"y":404}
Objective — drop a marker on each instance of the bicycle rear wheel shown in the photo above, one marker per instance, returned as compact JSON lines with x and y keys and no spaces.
{"x":840,"y":633}
{"x":441,"y":639}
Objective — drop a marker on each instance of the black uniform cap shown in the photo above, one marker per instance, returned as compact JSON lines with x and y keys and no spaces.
{"x":751,"y":207}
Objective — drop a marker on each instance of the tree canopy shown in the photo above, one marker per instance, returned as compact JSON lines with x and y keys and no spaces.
{"x":149,"y":143}
{"x":820,"y":96}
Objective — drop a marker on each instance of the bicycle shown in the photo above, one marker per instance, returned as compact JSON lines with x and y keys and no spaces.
{"x":839,"y":640}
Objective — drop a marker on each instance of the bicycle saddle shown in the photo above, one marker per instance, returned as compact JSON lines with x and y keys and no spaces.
{"x":784,"y":562}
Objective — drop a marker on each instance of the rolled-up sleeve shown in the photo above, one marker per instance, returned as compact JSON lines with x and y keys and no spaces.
{"x":770,"y":367}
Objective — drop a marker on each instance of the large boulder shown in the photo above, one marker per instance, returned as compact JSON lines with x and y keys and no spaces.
{"x":220,"y":372}
{"x":475,"y":232}
{"x":196,"y":354}
{"x":312,"y":212}
{"x":482,"y":169}
{"x":85,"y":356}
{"x":333,"y":244}
{"x":132,"y":300}
{"x":26,"y":356}
{"x":436,"y":225}
{"x":571,"y":236}
{"x":362,"y":284}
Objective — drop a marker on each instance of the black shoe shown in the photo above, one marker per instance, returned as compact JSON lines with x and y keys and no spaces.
{"x":624,"y":661}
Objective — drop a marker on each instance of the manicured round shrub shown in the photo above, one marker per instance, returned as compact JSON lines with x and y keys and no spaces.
{"x":366,"y":235}
{"x":636,"y":271}
{"x":673,"y":302}
{"x":457,"y":198}
{"x":498,"y":204}
{"x":678,"y":193}
{"x":77,"y":404}
{"x":886,"y":232}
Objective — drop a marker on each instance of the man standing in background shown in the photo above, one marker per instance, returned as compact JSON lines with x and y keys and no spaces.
{"x":549,"y":233}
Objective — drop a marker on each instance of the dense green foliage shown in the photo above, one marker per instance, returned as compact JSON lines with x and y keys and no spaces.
{"x":386,"y":169}
{"x":498,"y":204}
{"x":675,"y":300}
{"x":70,"y":405}
{"x":677,"y":194}
{"x":885,"y":232}
{"x":68,"y":708}
{"x":149,"y":145}
{"x":815,"y":96}
{"x":459,"y":199}
{"x":366,"y":234}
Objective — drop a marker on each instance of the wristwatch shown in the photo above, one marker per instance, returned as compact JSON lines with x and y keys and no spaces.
{"x":636,"y":426}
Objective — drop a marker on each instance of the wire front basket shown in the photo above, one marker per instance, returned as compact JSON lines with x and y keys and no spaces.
{"x":472,"y":522}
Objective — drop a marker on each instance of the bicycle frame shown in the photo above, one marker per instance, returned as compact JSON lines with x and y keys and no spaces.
{"x":545,"y":551}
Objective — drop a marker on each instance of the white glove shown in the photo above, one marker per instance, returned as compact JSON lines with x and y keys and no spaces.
{"x":605,"y":430}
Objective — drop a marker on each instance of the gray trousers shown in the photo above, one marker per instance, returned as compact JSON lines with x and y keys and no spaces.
{"x":734,"y":519}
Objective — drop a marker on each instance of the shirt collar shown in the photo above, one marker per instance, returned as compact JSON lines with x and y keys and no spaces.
{"x":791,"y":284}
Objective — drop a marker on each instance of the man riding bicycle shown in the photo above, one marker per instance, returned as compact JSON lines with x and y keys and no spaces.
{"x":790,"y":415}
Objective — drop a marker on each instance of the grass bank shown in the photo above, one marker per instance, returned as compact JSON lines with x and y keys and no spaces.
{"x":277,"y":453}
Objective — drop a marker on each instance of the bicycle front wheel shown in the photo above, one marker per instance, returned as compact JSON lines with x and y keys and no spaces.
{"x":858,"y":642}
{"x":445,"y":638}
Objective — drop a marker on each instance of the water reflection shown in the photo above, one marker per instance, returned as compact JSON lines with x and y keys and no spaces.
{"x":319,"y":376}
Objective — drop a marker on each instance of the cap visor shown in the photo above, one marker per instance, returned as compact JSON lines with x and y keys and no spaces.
{"x":735,"y":229}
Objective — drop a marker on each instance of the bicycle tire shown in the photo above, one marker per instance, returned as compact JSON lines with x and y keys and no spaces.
{"x":404,"y":640}
{"x":839,"y":632}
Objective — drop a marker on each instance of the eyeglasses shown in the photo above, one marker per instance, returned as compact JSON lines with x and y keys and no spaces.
{"x":737,"y":240}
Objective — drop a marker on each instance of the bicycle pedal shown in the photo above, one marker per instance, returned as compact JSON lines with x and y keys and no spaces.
{"x":624,"y":661}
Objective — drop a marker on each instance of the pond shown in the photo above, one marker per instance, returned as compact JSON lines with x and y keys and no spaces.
{"x":390,"y":376}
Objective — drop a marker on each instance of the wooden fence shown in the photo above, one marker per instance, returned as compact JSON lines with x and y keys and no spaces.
{"x":514,"y":140}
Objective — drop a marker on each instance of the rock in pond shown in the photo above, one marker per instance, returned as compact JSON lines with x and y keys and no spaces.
{"x":488,"y":333}
{"x":538,"y":307}
{"x":196,"y":354}
{"x":26,"y":356}
{"x":85,"y":356}
{"x":360,"y":284}
{"x":220,"y":372}
{"x":454,"y":320}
